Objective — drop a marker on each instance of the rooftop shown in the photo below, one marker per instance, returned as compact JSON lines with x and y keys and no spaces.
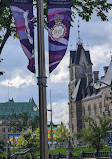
{"x":11,"y":107}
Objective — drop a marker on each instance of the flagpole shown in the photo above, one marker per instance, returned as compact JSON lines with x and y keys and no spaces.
{"x":8,"y":91}
{"x":42,"y":83}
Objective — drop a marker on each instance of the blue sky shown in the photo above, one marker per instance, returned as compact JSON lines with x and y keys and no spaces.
{"x":96,"y":36}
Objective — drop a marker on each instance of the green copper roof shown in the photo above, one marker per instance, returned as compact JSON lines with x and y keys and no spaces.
{"x":11,"y":107}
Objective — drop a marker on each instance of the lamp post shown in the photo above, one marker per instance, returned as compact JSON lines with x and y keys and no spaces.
{"x":51,"y":126}
{"x":42,"y":82}
{"x":8,"y":150}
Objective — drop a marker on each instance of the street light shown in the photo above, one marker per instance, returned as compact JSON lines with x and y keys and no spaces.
{"x":42,"y":82}
{"x":8,"y":149}
{"x":97,"y":85}
{"x":51,"y":126}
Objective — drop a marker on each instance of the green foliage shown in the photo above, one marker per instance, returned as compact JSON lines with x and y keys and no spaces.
{"x":86,"y":8}
{"x":35,"y":123}
{"x":29,"y":139}
{"x":96,"y":132}
{"x":2,"y":144}
{"x":62,"y":133}
{"x":57,"y":150}
{"x":23,"y":122}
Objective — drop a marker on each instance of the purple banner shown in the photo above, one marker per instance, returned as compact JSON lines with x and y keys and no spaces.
{"x":22,"y":11}
{"x":59,"y":18}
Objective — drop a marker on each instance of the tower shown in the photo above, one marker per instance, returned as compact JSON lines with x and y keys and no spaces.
{"x":80,"y":72}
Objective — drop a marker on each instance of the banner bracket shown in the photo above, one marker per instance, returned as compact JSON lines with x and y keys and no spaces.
{"x":42,"y":80}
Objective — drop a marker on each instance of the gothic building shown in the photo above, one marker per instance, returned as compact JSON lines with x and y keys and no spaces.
{"x":86,"y":98}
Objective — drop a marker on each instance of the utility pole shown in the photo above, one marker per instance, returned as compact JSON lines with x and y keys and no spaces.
{"x":42,"y":82}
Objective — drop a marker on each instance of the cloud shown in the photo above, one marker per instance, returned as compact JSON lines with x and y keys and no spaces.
{"x":60,"y":112}
{"x":100,"y":55}
{"x":19,"y":79}
{"x":62,"y":73}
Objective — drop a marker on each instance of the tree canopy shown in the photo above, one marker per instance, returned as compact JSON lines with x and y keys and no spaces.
{"x":84,"y":8}
{"x":2,"y":145}
{"x":96,"y":132}
{"x":29,"y":139}
{"x":62,"y":134}
{"x":23,"y":122}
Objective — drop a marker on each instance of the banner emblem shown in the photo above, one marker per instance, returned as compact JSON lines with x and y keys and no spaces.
{"x":58,"y":31}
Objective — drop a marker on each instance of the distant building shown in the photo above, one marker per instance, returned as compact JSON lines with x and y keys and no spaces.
{"x":84,"y":98}
{"x":9,"y":108}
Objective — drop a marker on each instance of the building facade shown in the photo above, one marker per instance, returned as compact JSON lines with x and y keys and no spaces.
{"x":86,"y":98}
{"x":8,"y":109}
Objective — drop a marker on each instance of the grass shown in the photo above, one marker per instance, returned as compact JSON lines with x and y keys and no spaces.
{"x":57,"y":150}
{"x":76,"y":150}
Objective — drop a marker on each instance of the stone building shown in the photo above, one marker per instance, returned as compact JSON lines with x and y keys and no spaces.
{"x":86,"y":98}
{"x":8,"y":109}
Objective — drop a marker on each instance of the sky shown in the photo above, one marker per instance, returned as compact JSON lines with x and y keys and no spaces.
{"x":96,"y":37}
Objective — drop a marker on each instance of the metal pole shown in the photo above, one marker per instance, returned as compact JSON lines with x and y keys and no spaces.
{"x":42,"y":83}
{"x":51,"y":124}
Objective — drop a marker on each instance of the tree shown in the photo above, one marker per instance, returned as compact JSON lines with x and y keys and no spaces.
{"x":96,"y":132}
{"x":84,"y":8}
{"x":2,"y":144}
{"x":62,"y":133}
{"x":29,"y":139}
{"x":23,"y":122}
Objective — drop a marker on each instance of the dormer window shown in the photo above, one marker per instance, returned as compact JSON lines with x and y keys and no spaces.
{"x":83,"y":69}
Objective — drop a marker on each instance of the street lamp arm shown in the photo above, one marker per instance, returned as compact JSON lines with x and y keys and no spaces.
{"x":49,"y":110}
{"x":105,"y":83}
{"x":98,"y":84}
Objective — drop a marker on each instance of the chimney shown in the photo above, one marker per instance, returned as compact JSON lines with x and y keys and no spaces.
{"x":105,"y":69}
{"x":95,"y":76}
{"x":89,"y":78}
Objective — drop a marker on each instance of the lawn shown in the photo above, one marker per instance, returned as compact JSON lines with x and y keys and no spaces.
{"x":76,"y":150}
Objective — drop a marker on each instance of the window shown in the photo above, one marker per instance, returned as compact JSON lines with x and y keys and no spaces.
{"x":95,"y":112}
{"x":3,"y":129}
{"x":89,"y":110}
{"x":83,"y":68}
{"x":72,"y":128}
{"x":100,"y":108}
{"x":9,"y":129}
{"x":83,"y":111}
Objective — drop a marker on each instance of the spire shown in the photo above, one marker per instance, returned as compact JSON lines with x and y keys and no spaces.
{"x":111,"y":55}
{"x":78,"y":31}
{"x":79,"y":40}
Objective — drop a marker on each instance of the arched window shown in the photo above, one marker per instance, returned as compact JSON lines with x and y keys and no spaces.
{"x":83,"y":110}
{"x":106,"y":107}
{"x":89,"y":110}
{"x":72,"y":128}
{"x":100,"y":108}
{"x":95,"y":112}
{"x":9,"y":129}
{"x":3,"y":129}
